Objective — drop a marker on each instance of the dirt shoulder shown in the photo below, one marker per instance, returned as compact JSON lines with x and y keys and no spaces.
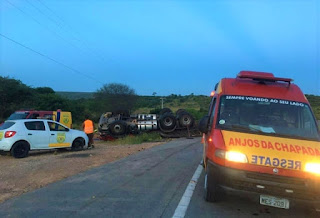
{"x":41,"y":168}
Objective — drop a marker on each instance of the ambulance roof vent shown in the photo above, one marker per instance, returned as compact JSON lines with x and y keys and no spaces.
{"x":261,"y":76}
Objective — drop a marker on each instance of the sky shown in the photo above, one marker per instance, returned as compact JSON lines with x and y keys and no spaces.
{"x":167,"y":47}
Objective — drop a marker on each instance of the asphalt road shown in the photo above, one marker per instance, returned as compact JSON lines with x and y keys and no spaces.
{"x":148,"y":184}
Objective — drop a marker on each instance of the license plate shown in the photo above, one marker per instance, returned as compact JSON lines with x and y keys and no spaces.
{"x":274,"y":202}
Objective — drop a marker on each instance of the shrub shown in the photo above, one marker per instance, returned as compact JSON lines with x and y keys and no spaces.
{"x":138,"y":139}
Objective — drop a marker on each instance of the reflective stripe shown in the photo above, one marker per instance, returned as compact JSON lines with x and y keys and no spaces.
{"x":59,"y":145}
{"x":88,"y":126}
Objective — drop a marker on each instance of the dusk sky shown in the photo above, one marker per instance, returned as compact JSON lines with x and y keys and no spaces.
{"x":178,"y":47}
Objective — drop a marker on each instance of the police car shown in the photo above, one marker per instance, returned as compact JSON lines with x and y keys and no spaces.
{"x":21,"y":136}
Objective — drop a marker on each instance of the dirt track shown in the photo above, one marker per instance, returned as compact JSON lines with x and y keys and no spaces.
{"x":18,"y":176}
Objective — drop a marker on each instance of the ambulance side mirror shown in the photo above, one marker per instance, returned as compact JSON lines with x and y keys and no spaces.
{"x":203,"y":124}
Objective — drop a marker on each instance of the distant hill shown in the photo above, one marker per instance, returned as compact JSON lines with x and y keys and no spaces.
{"x":76,"y":95}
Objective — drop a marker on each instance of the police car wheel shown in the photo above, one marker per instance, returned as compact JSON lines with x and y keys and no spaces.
{"x":77,"y":144}
{"x":20,"y":150}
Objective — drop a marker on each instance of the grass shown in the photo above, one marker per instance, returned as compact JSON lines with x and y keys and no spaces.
{"x":138,"y":139}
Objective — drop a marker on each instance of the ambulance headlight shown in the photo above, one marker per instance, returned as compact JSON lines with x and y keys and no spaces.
{"x":236,"y":157}
{"x":313,"y":168}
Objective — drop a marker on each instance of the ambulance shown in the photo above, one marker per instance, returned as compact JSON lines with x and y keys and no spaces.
{"x":63,"y":117}
{"x":261,"y":138}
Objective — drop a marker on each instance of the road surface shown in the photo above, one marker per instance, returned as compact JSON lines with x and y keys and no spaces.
{"x":147,"y":184}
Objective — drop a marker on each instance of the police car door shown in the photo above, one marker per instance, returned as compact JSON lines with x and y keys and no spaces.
{"x":37,"y":134}
{"x":60,"y":136}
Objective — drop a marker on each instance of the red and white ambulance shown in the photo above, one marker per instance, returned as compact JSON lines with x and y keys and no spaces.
{"x":261,"y":137}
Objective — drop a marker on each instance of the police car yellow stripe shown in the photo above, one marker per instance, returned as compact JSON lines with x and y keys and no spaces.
{"x":60,"y":145}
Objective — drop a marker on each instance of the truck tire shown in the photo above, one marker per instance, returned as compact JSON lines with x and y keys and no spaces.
{"x":167,"y":122}
{"x":185,"y":119}
{"x":121,"y":112}
{"x":118,"y":128}
{"x":20,"y":149}
{"x":180,"y":111}
{"x":133,"y":129}
{"x":165,"y":110}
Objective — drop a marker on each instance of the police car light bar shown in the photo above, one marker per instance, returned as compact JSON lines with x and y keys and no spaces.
{"x":261,"y":76}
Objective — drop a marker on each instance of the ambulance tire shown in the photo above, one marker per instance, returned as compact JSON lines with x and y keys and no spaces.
{"x":118,"y":128}
{"x":211,"y":189}
{"x":20,"y":149}
{"x":78,"y":144}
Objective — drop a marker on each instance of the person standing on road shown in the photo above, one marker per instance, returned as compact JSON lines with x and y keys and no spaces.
{"x":88,"y":128}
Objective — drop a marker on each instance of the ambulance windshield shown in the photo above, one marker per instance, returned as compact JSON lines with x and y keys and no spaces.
{"x":18,"y":115}
{"x":267,"y":116}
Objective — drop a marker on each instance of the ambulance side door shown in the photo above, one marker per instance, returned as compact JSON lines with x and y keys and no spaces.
{"x":210,"y":124}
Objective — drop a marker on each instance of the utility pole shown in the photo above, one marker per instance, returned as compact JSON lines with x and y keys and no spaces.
{"x":162,"y":102}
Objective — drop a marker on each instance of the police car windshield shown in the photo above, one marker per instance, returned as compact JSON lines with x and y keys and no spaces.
{"x":17,"y":116}
{"x":258,"y":115}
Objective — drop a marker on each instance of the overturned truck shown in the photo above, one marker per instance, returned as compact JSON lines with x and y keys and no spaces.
{"x":120,"y":123}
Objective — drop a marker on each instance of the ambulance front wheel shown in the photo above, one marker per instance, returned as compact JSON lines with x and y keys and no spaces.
{"x":211,"y":188}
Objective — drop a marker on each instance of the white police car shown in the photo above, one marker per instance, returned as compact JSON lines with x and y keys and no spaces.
{"x":20,"y":136}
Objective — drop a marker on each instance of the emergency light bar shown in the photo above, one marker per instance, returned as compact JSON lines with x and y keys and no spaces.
{"x":261,"y":76}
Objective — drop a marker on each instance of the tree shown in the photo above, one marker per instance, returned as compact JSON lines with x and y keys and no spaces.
{"x":13,"y":96}
{"x":44,"y":90}
{"x":51,"y":102}
{"x":114,"y":97}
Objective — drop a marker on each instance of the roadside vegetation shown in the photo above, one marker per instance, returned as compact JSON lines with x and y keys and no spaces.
{"x":15,"y":95}
{"x":138,"y":139}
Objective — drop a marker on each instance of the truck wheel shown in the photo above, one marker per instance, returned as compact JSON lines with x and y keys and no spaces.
{"x":185,"y":119}
{"x":77,"y":144}
{"x":121,"y":112}
{"x":165,"y":110}
{"x":118,"y":128}
{"x":211,"y":189}
{"x":20,"y":150}
{"x":180,"y":111}
{"x":167,"y":122}
{"x":133,"y":129}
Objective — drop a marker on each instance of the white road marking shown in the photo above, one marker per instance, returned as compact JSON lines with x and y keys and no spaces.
{"x":181,"y":210}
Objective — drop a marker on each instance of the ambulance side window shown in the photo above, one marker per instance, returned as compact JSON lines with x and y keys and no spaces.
{"x":212,"y":112}
{"x":34,"y":116}
{"x":48,"y":116}
{"x":308,"y":124}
